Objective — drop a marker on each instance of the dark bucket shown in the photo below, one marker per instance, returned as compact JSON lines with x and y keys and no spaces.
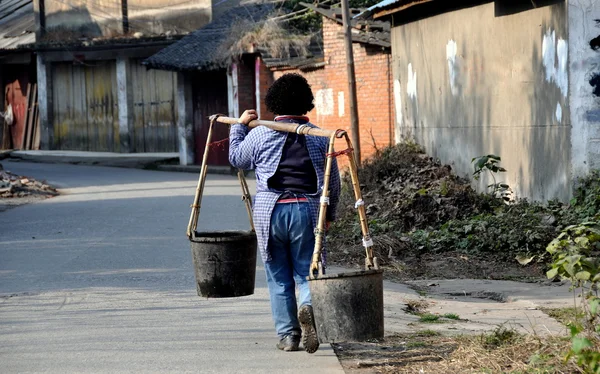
{"x":224,"y":263}
{"x":348,"y":306}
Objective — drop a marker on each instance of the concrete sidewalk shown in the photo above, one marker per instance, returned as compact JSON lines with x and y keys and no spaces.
{"x":163,"y":161}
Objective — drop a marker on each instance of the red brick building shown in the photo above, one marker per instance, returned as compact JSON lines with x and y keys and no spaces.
{"x":207,"y":85}
{"x":329,"y":81}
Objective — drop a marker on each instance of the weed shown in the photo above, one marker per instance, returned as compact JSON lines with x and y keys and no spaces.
{"x":451,"y":316}
{"x":489,"y":163}
{"x":416,"y":307}
{"x":426,"y":333}
{"x":575,"y":257}
{"x":565,"y":316}
{"x":499,"y":337}
{"x":429,"y":318}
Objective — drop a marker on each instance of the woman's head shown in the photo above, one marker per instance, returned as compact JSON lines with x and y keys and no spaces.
{"x":290,"y":94}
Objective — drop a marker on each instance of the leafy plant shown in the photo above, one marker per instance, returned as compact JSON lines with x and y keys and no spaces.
{"x":575,"y":257}
{"x":489,"y":164}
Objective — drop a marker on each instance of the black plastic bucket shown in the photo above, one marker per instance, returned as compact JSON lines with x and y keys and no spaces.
{"x":224,"y":263}
{"x":348,"y":306}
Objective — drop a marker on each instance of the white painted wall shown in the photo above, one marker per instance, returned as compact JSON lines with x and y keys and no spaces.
{"x":584,"y":63}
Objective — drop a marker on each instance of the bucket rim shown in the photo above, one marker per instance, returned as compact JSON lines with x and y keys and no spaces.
{"x":348,"y":274}
{"x":222,"y":236}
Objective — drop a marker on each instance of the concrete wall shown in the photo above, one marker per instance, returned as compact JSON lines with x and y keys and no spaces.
{"x":104,"y":18}
{"x":158,"y":16}
{"x":472,"y":82}
{"x":373,"y":84}
{"x":584,"y":64}
{"x":78,"y":18}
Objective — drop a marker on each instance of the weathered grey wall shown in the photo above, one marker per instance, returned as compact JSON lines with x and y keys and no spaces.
{"x":76,"y":18}
{"x":584,"y":63}
{"x":104,"y":18}
{"x":470,"y":82}
{"x":162,"y":16}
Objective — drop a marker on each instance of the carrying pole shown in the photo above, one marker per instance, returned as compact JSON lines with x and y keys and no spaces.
{"x":200,"y":187}
{"x":285,"y":127}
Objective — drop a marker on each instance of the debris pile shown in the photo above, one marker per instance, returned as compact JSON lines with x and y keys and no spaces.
{"x":14,"y":186}
{"x":404,"y":190}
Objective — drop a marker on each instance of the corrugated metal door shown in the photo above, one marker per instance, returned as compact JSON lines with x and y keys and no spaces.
{"x":209,"y":93}
{"x":154,"y":109}
{"x":85,"y":106}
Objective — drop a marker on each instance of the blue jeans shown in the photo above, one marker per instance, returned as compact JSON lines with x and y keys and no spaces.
{"x":291,"y":244}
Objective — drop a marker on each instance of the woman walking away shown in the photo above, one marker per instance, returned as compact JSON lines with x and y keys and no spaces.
{"x":290,"y":172}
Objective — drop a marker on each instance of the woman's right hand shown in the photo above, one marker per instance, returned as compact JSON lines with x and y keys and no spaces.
{"x":248,"y":116}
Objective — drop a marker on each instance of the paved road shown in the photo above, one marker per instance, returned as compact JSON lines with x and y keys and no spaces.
{"x":100,"y":279}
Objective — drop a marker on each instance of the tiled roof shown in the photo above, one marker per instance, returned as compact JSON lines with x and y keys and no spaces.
{"x":199,"y":50}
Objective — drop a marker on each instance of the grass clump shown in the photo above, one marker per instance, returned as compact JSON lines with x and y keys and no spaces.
{"x":429,"y":318}
{"x":427,"y":333}
{"x":566,"y":316}
{"x":451,"y":316}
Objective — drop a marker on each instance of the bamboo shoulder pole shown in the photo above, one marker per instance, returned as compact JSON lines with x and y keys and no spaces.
{"x":370,"y":261}
{"x":283,"y":126}
{"x":246,"y":196}
{"x":316,"y":266}
{"x":193,"y":224}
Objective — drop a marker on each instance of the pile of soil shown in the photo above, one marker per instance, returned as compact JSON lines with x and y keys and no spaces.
{"x":404,"y":191}
{"x":18,"y":190}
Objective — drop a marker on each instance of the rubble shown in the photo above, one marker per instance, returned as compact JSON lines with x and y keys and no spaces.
{"x":17,"y":186}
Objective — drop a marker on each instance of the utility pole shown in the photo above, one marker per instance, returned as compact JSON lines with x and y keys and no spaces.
{"x":351,"y":80}
{"x":125,"y":17}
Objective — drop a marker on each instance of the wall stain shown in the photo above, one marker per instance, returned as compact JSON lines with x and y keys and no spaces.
{"x":593,"y":115}
{"x":595,"y":82}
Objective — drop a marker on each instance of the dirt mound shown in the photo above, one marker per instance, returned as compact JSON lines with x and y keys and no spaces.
{"x":411,"y":199}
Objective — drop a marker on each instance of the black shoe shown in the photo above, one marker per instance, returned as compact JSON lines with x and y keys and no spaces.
{"x":289,"y":343}
{"x":310,"y":340}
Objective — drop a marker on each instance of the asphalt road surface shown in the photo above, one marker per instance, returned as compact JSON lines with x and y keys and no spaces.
{"x":100,"y":279}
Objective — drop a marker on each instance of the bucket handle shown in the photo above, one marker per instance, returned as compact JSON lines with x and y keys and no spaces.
{"x":246,"y":197}
{"x":316,"y":266}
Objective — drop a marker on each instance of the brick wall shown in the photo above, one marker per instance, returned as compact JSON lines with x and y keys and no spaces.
{"x":247,"y":77}
{"x":373,"y":86}
{"x":266,"y":80}
{"x":246,"y":84}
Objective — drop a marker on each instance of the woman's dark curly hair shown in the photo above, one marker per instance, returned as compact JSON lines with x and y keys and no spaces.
{"x":290,"y":94}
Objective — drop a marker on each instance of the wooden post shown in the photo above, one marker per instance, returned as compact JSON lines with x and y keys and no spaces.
{"x":45,"y":105}
{"x":185,"y":119}
{"x":125,"y":105}
{"x":351,"y":80}
{"x":39,"y":10}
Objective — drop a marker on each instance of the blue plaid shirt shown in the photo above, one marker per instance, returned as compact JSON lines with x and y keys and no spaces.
{"x":261,"y":149}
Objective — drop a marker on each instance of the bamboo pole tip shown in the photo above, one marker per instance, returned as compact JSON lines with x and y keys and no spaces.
{"x":340,"y":133}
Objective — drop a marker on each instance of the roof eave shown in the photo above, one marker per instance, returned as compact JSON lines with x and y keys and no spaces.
{"x":384,"y":12}
{"x":376,"y":11}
